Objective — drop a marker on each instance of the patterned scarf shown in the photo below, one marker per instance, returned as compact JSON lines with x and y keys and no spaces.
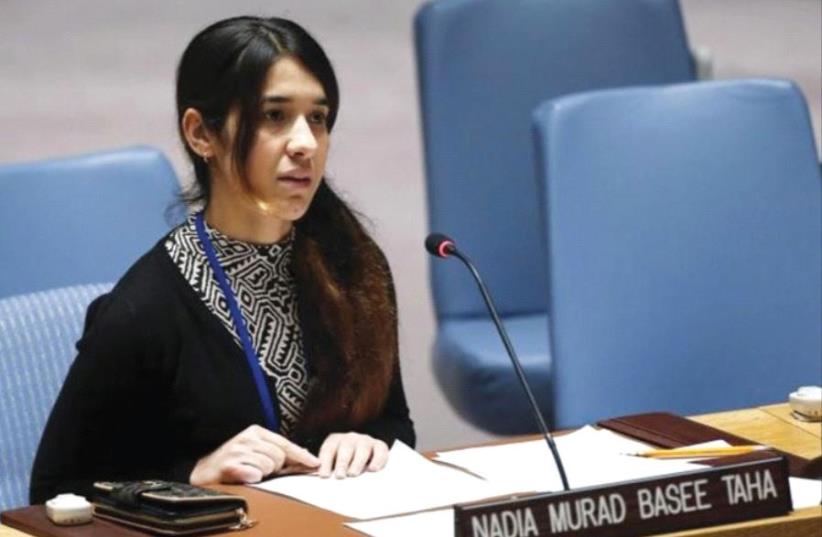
{"x":260,"y":276}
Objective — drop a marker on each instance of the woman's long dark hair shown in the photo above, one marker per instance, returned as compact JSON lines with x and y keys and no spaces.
{"x":347,"y":304}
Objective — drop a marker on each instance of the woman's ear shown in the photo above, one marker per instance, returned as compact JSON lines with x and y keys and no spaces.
{"x":197,"y":135}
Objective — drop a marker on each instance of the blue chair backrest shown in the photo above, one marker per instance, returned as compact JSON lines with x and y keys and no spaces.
{"x":38,"y":332}
{"x":684,"y":246}
{"x":81,"y":219}
{"x":484,"y":65}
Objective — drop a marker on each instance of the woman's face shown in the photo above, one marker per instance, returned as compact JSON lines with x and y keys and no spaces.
{"x":287,"y":159}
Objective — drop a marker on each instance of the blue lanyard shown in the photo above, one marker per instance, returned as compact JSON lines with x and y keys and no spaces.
{"x":271,"y":419}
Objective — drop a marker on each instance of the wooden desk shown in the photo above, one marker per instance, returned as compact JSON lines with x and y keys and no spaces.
{"x":6,"y":531}
{"x":770,"y":425}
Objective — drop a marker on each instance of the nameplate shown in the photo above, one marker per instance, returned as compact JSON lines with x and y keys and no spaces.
{"x":734,"y":493}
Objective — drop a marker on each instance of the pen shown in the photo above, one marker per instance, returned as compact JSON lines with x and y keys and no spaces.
{"x":686,"y":453}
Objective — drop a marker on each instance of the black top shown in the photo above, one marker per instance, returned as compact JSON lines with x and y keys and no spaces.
{"x":158,"y":383}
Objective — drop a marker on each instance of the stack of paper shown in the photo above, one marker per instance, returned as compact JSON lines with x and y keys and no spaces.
{"x":590,"y":456}
{"x":438,"y":523}
{"x":409,"y":482}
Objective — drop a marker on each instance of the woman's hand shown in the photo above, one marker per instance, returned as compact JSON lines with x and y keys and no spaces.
{"x":349,"y":453}
{"x":250,"y":456}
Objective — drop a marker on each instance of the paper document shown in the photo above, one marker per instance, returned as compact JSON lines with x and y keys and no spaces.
{"x":438,"y":523}
{"x":805,"y":492}
{"x":590,"y":457}
{"x":409,"y":482}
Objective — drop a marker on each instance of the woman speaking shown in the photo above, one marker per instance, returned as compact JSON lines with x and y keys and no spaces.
{"x":260,"y":336}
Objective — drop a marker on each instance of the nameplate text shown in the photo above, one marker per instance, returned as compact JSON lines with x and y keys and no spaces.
{"x":702,"y":498}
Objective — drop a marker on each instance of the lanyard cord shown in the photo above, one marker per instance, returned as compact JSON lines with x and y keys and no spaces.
{"x":272,"y":422}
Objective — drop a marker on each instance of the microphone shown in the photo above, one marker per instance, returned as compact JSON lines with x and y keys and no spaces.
{"x":440,"y":245}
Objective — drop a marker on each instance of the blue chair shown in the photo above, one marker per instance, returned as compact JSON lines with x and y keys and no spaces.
{"x":37,"y":336}
{"x":684,"y":248}
{"x":483,"y":66}
{"x":81,"y":219}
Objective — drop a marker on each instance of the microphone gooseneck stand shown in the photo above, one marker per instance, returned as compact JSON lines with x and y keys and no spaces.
{"x":442,"y":246}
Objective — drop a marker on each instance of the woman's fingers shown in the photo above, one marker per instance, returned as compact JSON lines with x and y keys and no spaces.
{"x":345,"y":451}
{"x":379,"y":456}
{"x":249,"y":456}
{"x":292,"y":469}
{"x":328,"y":452}
{"x":256,"y":452}
{"x":362,"y":454}
{"x":294,"y":454}
{"x":241,"y":473}
{"x":266,"y":463}
{"x":350,"y":454}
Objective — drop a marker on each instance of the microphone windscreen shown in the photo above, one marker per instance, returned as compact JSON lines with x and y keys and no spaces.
{"x":434,"y":243}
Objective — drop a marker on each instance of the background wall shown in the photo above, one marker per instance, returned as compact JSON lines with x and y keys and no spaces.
{"x":91,"y":74}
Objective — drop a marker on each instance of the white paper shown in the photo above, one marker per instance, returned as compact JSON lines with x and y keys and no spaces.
{"x":805,"y":492}
{"x":438,"y":523}
{"x":590,"y":457}
{"x":409,"y":482}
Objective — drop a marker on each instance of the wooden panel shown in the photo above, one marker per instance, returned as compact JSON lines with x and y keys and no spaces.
{"x":801,"y":523}
{"x":34,"y":521}
{"x":6,"y":531}
{"x":286,"y":516}
{"x":769,"y":425}
{"x":783,"y":412}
